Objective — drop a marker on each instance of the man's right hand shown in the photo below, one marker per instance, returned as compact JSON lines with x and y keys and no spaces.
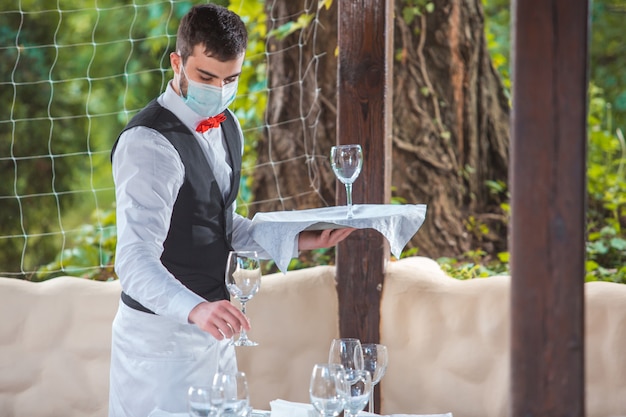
{"x":219,"y":318}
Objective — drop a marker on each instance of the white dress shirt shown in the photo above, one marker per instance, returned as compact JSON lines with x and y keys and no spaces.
{"x":148,"y":174}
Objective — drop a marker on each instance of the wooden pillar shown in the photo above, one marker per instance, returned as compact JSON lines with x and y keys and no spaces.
{"x":548,"y":171}
{"x":365,"y":42}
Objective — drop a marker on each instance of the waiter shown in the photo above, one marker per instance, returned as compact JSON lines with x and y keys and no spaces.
{"x":176,"y":168}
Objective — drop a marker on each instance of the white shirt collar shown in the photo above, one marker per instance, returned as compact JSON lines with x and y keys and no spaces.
{"x":174,"y":103}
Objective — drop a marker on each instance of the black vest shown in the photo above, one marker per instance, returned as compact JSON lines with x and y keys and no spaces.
{"x":199,"y":238}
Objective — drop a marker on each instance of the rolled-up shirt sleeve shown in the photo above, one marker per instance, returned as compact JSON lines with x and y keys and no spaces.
{"x":148,"y":174}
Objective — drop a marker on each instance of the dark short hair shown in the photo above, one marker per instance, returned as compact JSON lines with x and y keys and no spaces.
{"x":221,"y":31}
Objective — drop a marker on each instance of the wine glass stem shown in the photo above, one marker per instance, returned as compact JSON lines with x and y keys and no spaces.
{"x":349,"y":197}
{"x":371,"y":404}
{"x":242,"y":334}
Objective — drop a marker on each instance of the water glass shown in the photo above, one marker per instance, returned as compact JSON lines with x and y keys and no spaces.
{"x":230,"y":394}
{"x":375,"y":360}
{"x":356,"y":387}
{"x":199,"y":402}
{"x":346,"y":162}
{"x":346,"y":351}
{"x":326,"y":389}
{"x":243,"y":280}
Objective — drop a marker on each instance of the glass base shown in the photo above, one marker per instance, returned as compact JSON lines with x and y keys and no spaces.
{"x":244,"y":342}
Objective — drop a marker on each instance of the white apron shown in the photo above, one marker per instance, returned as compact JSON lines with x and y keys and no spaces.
{"x":154,"y":360}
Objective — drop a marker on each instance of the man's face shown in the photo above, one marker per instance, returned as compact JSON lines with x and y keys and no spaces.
{"x":204,"y":69}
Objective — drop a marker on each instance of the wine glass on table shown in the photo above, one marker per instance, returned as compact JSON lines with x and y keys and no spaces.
{"x":199,"y":403}
{"x":356,"y":389}
{"x":347,"y":161}
{"x":326,"y":390}
{"x":375,"y":360}
{"x":347,"y":352}
{"x":243,"y":280}
{"x":230,"y":395}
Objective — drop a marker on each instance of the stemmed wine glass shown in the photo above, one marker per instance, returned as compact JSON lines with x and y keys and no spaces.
{"x":230,"y":395}
{"x":243,"y":280}
{"x":346,"y":161}
{"x":356,"y":391}
{"x":348,"y":352}
{"x":375,"y":360}
{"x":199,"y":401}
{"x":326,"y":389}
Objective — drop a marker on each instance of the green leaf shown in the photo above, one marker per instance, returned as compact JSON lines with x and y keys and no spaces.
{"x":325,"y":3}
{"x":504,"y":257}
{"x":591,"y":266}
{"x":618,"y":243}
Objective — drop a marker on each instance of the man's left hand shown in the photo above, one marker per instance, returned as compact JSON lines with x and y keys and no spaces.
{"x":322,"y":239}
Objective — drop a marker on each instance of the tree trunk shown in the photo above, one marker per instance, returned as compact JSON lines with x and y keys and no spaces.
{"x":451,"y":130}
{"x":450,"y":123}
{"x":293,"y":170}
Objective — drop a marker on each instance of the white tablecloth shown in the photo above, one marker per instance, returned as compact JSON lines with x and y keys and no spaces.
{"x":282,"y":408}
{"x":276,"y":232}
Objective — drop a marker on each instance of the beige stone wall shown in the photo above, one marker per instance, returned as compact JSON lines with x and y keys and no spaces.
{"x":55,"y":339}
{"x":294,"y":318}
{"x":448,"y":342}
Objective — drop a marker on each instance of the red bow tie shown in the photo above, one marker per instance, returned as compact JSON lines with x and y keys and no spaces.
{"x":210,"y":123}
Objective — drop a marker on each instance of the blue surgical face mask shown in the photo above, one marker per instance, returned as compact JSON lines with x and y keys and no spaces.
{"x":208,"y":100}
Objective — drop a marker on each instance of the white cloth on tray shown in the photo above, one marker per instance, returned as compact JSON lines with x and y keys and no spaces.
{"x":276,"y":232}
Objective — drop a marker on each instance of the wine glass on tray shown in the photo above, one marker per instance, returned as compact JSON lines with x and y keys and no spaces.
{"x":347,"y":161}
{"x":243,"y":280}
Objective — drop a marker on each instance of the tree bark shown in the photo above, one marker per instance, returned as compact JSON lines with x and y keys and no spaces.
{"x":293,"y":170}
{"x":450,"y":124}
{"x":451,"y":130}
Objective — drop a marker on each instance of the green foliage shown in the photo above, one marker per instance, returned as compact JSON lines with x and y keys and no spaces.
{"x":324,"y":256}
{"x":606,"y":149}
{"x":606,"y":179}
{"x":30,"y":209}
{"x":607,"y":54}
{"x":252,"y":94}
{"x":155,"y":24}
{"x":91,"y":253}
{"x":606,"y":246}
{"x":473,"y":265}
{"x":75,"y":80}
{"x":606,"y":213}
{"x":411,"y":9}
{"x":498,"y":35}
{"x":283,"y":31}
{"x":607,"y":48}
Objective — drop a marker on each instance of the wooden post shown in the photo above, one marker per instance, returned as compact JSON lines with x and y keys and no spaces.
{"x":548,"y":169}
{"x":365,"y":42}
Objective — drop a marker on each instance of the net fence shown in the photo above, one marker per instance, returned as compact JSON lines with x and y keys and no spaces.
{"x":72,"y":74}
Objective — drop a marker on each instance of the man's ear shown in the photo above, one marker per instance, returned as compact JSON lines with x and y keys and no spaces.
{"x":176,"y":61}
